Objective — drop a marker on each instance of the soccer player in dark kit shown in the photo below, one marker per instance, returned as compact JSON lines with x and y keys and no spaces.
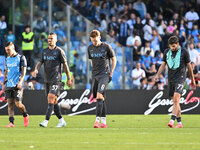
{"x":13,"y":79}
{"x":100,"y":54}
{"x":177,"y":59}
{"x":53,"y":57}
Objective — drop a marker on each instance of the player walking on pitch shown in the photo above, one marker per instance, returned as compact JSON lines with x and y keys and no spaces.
{"x":12,"y":85}
{"x":53,"y":57}
{"x":177,"y":59}
{"x":100,"y":54}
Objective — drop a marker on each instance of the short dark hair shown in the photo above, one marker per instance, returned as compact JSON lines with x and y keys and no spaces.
{"x":52,"y":33}
{"x":27,"y":26}
{"x":173,"y":40}
{"x":9,"y":43}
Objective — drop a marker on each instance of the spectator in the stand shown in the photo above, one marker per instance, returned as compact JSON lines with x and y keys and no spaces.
{"x":104,"y":9}
{"x":103,"y":23}
{"x":181,"y":11}
{"x":165,"y":39}
{"x":131,"y":10}
{"x":131,"y":22}
{"x":136,"y":52}
{"x":147,"y":18}
{"x":181,"y":37}
{"x":194,"y":54}
{"x":1,"y":79}
{"x":161,"y":82}
{"x":176,"y":19}
{"x":39,"y":26}
{"x":157,"y":60}
{"x":10,"y":37}
{"x":171,"y":27}
{"x":156,"y":40}
{"x":81,"y":7}
{"x":137,"y":75}
{"x":114,"y":9}
{"x":161,"y":31}
{"x":124,"y":12}
{"x":147,"y":31}
{"x":92,"y":12}
{"x":61,"y":35}
{"x":31,"y":81}
{"x":146,"y":61}
{"x":182,"y":27}
{"x":3,"y":28}
{"x":191,"y":17}
{"x":130,"y":42}
{"x":123,"y":31}
{"x":152,"y":71}
{"x":161,"y":27}
{"x":147,"y":48}
{"x":28,"y":45}
{"x":140,"y":7}
{"x":112,"y":38}
{"x":43,"y":41}
{"x":113,"y":25}
{"x":139,"y":26}
{"x":195,"y":33}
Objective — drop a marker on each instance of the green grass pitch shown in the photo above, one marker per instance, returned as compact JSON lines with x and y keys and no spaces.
{"x":129,"y":132}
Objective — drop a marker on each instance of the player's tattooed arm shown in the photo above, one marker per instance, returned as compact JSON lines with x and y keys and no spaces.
{"x":67,"y":70}
{"x":69,"y":81}
{"x":37,"y":68}
{"x":19,"y":85}
{"x":191,"y":74}
{"x":114,"y":61}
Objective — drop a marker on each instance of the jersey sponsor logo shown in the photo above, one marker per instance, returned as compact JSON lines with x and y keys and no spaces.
{"x":157,"y":101}
{"x":76,"y":102}
{"x":97,"y":55}
{"x":14,"y":64}
{"x":49,"y":57}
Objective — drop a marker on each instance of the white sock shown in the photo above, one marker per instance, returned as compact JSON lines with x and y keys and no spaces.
{"x":61,"y":119}
{"x":179,"y":122}
{"x":103,"y":120}
{"x":97,"y":119}
{"x":172,"y":120}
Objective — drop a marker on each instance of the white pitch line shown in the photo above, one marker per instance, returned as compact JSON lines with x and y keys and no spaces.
{"x":80,"y":112}
{"x":101,"y":143}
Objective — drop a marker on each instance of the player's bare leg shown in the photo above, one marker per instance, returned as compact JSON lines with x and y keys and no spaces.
{"x":10,"y":112}
{"x":22,"y":108}
{"x":176,"y":105}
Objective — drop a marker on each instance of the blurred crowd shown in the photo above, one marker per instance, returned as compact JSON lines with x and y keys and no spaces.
{"x":141,"y":26}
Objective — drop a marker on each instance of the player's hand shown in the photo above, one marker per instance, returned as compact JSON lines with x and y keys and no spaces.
{"x":35,"y":72}
{"x":19,"y":85}
{"x":69,"y":83}
{"x":193,"y":84}
{"x":155,"y":78}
